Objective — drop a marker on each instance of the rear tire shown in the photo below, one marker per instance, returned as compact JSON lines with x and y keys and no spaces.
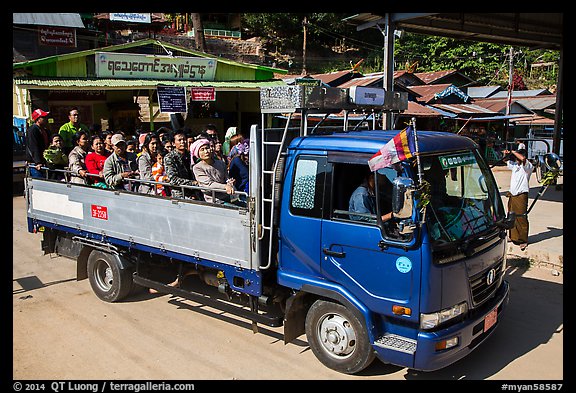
{"x":338,"y":338}
{"x":109,"y":281}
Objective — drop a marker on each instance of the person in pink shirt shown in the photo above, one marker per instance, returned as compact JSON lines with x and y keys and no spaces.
{"x":95,"y":162}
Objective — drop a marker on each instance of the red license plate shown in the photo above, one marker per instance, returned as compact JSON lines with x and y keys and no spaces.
{"x":100,"y":212}
{"x":490,"y":319}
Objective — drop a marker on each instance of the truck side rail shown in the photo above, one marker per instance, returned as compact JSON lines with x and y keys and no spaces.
{"x":68,"y":175}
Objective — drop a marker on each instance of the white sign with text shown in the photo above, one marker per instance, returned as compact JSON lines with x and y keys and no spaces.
{"x":135,"y":66}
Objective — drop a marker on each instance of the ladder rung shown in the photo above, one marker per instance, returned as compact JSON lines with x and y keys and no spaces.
{"x":266,"y":199}
{"x":272,"y":143}
{"x":268,"y":172}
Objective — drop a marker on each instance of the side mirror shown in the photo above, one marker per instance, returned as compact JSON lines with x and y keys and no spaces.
{"x":402,"y":197}
{"x":552,"y":162}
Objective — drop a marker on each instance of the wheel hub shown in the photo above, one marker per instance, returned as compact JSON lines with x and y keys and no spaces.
{"x":337,"y":335}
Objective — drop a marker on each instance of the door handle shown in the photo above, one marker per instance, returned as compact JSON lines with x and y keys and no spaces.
{"x":334,"y":253}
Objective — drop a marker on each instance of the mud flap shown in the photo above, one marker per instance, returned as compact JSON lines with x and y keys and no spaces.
{"x":295,"y":317}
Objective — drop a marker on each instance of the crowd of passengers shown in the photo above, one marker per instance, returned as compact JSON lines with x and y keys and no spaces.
{"x":174,"y":158}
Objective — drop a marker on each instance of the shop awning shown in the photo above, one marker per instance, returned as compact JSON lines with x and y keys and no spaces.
{"x":123,"y":84}
{"x":48,"y":19}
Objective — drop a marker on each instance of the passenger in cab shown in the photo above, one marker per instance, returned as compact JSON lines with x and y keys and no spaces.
{"x":77,"y":157}
{"x":120,"y":165}
{"x":211,"y":173}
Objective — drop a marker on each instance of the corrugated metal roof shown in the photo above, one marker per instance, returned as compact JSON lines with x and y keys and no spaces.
{"x":331,"y":76}
{"x":111,"y":84}
{"x":534,"y":120}
{"x":429,"y":77}
{"x":427,"y":92}
{"x":362,"y":81}
{"x":464,"y":109}
{"x":48,"y":19}
{"x":482,"y":91}
{"x":499,"y":105}
{"x":538,"y":103}
{"x":522,"y":93}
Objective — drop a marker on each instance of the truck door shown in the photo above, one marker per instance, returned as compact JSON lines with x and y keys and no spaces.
{"x":300,"y":226}
{"x":357,"y":254}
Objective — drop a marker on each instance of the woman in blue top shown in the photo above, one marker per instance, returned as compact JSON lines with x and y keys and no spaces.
{"x":238,"y":169}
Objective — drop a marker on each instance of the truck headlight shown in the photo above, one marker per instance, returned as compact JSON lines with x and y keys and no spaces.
{"x":430,"y":321}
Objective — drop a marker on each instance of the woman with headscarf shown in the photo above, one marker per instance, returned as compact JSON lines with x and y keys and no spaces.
{"x":230,"y":132}
{"x":211,"y":173}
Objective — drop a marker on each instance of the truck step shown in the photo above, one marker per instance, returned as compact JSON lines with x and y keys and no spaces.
{"x":264,"y":319}
{"x":396,"y":343}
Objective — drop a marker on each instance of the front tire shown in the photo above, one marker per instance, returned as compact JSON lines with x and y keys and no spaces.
{"x":108,"y":280}
{"x":338,"y":338}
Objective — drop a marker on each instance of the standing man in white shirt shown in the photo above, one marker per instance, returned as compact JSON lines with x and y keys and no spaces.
{"x":518,"y":195}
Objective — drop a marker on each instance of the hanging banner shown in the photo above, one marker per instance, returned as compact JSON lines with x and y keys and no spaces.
{"x":202,"y":94}
{"x":135,"y":66}
{"x":172,"y":99}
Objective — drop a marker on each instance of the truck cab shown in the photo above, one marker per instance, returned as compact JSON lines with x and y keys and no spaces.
{"x":428,"y":285}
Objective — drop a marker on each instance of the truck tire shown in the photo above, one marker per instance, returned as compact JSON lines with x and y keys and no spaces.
{"x":108,"y":280}
{"x":338,"y":338}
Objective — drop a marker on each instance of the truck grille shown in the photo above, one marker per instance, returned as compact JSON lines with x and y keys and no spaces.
{"x":485,"y":283}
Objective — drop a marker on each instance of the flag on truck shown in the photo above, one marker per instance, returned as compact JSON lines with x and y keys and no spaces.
{"x":399,"y":148}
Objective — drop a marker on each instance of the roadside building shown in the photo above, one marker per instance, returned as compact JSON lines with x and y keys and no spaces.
{"x":118,"y":87}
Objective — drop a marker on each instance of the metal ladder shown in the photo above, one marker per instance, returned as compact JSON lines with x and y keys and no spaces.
{"x":269,"y":175}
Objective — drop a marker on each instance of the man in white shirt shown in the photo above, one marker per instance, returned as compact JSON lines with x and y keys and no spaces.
{"x":518,"y":195}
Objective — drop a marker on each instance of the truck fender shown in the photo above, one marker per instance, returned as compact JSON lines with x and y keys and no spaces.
{"x":82,"y":262}
{"x":298,"y":304}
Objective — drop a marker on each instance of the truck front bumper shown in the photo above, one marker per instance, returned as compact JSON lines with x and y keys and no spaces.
{"x":423,"y":354}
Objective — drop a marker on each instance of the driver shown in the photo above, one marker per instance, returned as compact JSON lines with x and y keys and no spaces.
{"x":363,"y":200}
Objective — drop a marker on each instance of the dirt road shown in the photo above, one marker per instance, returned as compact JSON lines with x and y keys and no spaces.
{"x":62,"y":331}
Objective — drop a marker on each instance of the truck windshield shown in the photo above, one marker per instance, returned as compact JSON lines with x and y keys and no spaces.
{"x":464,"y":199}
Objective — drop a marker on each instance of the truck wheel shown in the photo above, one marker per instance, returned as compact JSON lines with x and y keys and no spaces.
{"x":338,"y":338}
{"x":108,"y":280}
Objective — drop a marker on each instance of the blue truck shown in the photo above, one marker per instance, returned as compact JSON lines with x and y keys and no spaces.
{"x":421,"y":290}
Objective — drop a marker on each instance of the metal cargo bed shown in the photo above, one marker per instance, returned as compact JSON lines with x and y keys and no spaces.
{"x":205,"y":231}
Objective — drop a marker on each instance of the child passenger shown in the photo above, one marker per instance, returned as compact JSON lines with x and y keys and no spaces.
{"x":159,"y":173}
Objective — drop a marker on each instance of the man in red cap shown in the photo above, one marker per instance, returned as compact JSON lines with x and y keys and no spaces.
{"x":37,"y":140}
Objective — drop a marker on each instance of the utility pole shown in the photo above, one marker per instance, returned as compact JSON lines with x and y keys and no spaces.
{"x":510,"y":89}
{"x":388,"y":66}
{"x":304,"y":23}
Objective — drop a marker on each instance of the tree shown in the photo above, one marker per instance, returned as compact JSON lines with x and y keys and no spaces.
{"x":198,"y":32}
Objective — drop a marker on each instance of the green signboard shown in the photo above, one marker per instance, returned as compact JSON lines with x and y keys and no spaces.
{"x":455,"y":160}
